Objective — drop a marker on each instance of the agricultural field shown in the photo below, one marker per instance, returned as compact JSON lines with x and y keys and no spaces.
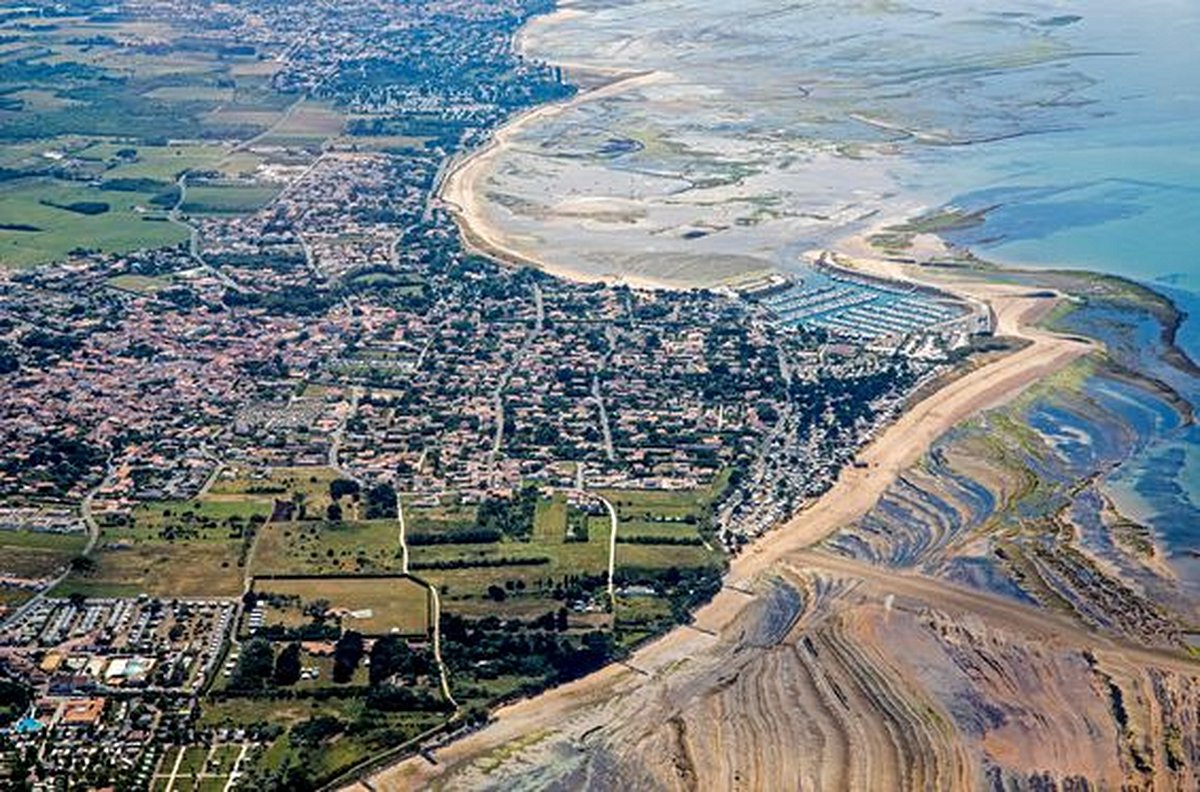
{"x":175,"y":548}
{"x":46,"y":219}
{"x":307,"y":488}
{"x":179,"y":555}
{"x":371,"y":606}
{"x":105,"y":115}
{"x":35,"y":554}
{"x":328,"y":548}
{"x":203,"y":546}
{"x":227,"y":197}
{"x":306,"y":124}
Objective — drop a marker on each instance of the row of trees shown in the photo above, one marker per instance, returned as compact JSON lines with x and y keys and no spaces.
{"x":259,"y":667}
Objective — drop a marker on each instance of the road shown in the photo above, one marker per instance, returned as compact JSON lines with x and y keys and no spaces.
{"x":612,"y":538}
{"x":402,"y":538}
{"x":339,"y":437}
{"x":173,"y":217}
{"x":93,"y":531}
{"x":526,"y":345}
{"x":435,"y":600}
{"x":610,"y":336}
{"x":443,"y":675}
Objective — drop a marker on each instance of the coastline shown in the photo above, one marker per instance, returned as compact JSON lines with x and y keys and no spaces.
{"x":857,"y":490}
{"x":1019,"y":311}
{"x":461,"y":193}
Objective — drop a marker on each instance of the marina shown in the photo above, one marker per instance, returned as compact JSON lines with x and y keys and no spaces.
{"x":831,"y":300}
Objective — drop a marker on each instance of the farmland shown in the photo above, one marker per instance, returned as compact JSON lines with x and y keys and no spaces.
{"x":112,"y":121}
{"x":40,"y":225}
{"x":370,"y":605}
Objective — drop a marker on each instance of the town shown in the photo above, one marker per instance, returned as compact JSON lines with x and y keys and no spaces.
{"x":211,"y":445}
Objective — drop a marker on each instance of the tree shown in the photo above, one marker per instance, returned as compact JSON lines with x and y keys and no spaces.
{"x":389,"y":656}
{"x":347,"y":653}
{"x":381,"y":502}
{"x":255,"y":666}
{"x":287,"y":665}
{"x":341,"y":486}
{"x":333,"y":512}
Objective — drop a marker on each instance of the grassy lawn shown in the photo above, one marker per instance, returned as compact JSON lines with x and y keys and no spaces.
{"x":57,"y":231}
{"x":140,"y":284}
{"x":550,"y":520}
{"x":308,"y":485}
{"x":164,"y":163}
{"x":173,"y":549}
{"x":201,"y":568}
{"x":36,"y":554}
{"x":227,"y":197}
{"x":376,"y":731}
{"x":393,"y":603}
{"x":208,"y":518}
{"x":320,"y":548}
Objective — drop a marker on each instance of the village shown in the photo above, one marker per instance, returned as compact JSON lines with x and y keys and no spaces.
{"x":197,"y":433}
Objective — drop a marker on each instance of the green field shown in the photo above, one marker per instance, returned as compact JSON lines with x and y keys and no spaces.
{"x":374,"y":732}
{"x":86,"y":118}
{"x":175,"y":548}
{"x":319,"y":548}
{"x":308,"y":486}
{"x":53,"y":232}
{"x":139,"y":284}
{"x":395,"y":603}
{"x":35,"y":554}
{"x":227,"y":198}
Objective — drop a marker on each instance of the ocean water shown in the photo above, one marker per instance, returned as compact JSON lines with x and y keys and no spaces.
{"x":1113,"y":184}
{"x":776,"y":128}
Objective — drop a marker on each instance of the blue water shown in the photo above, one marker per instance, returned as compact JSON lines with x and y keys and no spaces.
{"x":1113,"y":185}
{"x":1111,"y":180}
{"x":1076,"y":123}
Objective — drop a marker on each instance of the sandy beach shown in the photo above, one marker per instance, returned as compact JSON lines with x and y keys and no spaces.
{"x":601,"y":701}
{"x":463,"y":190}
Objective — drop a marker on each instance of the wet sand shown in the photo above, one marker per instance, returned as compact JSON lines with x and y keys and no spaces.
{"x":464,"y":191}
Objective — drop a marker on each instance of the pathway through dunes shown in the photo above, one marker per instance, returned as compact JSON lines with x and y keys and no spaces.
{"x":814,"y":671}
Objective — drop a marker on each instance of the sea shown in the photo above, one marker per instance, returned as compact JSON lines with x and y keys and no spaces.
{"x":1071,"y":126}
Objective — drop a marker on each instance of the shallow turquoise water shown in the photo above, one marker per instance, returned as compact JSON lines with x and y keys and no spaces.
{"x":1116,"y":187}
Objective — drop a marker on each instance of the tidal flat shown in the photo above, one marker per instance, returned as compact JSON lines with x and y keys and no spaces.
{"x":1079,"y":496}
{"x":760,"y":131}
